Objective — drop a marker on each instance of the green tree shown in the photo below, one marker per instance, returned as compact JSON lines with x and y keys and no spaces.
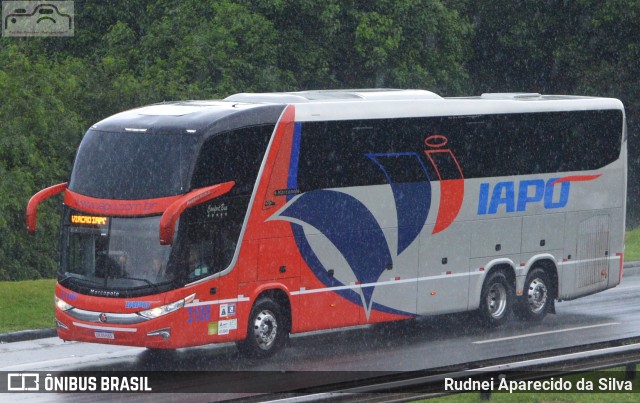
{"x":347,"y":44}
{"x":584,"y":47}
{"x":604,"y":61}
{"x":38,"y":137}
{"x":204,"y":49}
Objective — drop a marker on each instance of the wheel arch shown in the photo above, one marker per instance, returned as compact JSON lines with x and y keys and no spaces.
{"x":268,"y":324}
{"x":280,"y":295}
{"x":508,"y":268}
{"x":497,"y":295}
{"x":548,"y":264}
{"x":505,"y":264}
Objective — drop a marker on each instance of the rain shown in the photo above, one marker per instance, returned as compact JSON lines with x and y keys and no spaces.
{"x":236,"y":190}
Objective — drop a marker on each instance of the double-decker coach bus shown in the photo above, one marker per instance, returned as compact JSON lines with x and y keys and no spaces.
{"x":261,"y":215}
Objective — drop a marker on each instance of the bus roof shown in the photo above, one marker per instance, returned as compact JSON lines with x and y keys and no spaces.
{"x":386,"y":94}
{"x":192,"y":116}
{"x":396,"y":103}
{"x":245,"y":109}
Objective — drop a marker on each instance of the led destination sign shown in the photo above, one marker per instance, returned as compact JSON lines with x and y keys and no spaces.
{"x":88,"y":220}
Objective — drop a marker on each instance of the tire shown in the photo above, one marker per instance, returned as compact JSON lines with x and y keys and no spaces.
{"x":267,"y":331}
{"x":537,"y":297}
{"x":496,"y":299}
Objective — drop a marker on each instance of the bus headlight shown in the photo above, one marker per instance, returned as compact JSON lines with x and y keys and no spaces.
{"x":62,"y":305}
{"x":165,"y":309}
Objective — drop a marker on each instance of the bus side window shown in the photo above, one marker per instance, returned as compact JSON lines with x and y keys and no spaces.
{"x":232,"y":156}
{"x":211,"y":253}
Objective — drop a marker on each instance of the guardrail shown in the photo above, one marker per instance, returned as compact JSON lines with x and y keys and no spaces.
{"x":411,"y":386}
{"x":485,"y":377}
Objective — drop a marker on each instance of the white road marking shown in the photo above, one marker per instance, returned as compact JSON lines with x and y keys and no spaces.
{"x":543,"y":333}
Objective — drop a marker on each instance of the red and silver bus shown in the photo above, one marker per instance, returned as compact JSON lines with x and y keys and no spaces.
{"x":261,"y":215}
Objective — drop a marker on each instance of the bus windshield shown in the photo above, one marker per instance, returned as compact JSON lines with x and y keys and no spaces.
{"x":111,"y":253}
{"x":138,"y":165}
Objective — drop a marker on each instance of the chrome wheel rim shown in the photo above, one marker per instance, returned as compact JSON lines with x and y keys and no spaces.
{"x":537,"y":295}
{"x":497,"y":300}
{"x":265,"y":329}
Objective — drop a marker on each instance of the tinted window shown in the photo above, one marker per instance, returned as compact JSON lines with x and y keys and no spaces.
{"x":210,"y":232}
{"x":114,"y":254}
{"x":521,"y":144}
{"x":344,"y":153}
{"x":208,"y":236}
{"x":232,"y":156}
{"x":132,"y":165}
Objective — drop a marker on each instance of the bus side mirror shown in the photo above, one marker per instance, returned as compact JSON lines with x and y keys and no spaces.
{"x":34,"y":202}
{"x":193,"y":198}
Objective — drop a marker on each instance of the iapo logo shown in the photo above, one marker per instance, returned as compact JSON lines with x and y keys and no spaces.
{"x":510,"y":196}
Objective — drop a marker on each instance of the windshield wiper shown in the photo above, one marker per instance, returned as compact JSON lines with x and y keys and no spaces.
{"x":75,"y":278}
{"x":64,"y":280}
{"x":155,"y":286}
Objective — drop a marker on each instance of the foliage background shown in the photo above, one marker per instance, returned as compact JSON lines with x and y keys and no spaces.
{"x":126,"y":54}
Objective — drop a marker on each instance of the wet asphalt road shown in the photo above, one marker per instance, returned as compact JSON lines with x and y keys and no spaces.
{"x":405,"y":346}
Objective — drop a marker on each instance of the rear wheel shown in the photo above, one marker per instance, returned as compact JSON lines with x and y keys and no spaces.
{"x":496,"y":299}
{"x":267,"y":332}
{"x":536,"y":299}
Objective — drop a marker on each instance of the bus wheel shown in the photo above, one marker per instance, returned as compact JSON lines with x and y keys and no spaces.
{"x":496,"y":299}
{"x":536,"y":299}
{"x":267,"y":331}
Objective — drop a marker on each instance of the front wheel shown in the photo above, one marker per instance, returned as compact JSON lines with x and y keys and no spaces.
{"x":536,"y":299}
{"x":267,"y":331}
{"x":496,"y":299}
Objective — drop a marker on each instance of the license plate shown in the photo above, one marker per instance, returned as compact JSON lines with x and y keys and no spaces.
{"x":104,"y":335}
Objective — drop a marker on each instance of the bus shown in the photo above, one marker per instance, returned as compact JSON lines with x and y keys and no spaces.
{"x":261,"y":215}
